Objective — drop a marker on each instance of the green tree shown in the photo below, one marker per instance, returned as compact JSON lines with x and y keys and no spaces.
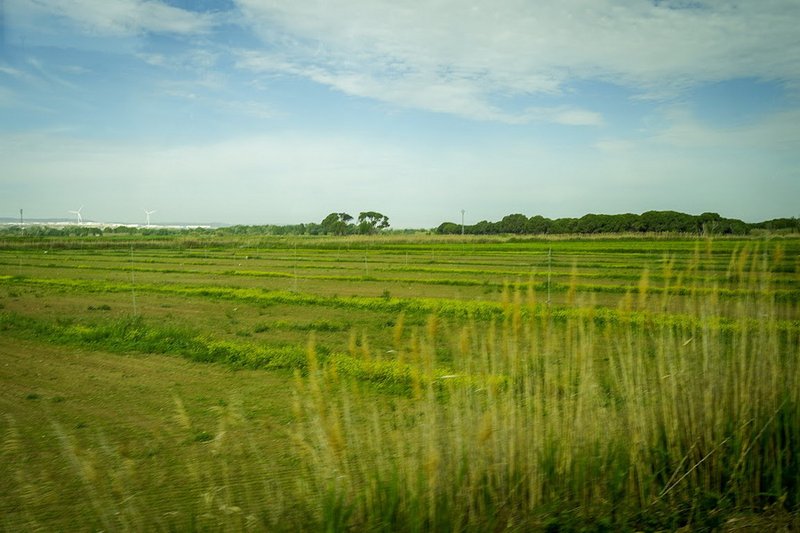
{"x":538,"y":224}
{"x":484,"y":227}
{"x":515,"y":223}
{"x":370,"y":222}
{"x":563,"y":225}
{"x":448,"y":228}
{"x":337,"y":224}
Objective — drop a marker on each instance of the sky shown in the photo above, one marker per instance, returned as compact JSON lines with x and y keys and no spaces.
{"x":282,"y":111}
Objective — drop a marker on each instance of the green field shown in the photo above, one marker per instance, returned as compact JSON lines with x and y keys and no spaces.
{"x":399,"y":383}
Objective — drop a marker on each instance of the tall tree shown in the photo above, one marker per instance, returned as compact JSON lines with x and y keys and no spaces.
{"x":337,"y":224}
{"x":370,"y":222}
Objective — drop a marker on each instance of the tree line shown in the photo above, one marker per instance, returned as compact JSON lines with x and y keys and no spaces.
{"x":367,"y":223}
{"x":648,"y":222}
{"x":372,"y":222}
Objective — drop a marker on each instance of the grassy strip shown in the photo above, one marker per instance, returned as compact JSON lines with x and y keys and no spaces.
{"x":314,"y":325}
{"x":785,"y":295}
{"x":604,"y":243}
{"x":654,"y":277}
{"x":478,"y":310}
{"x":120,"y":267}
{"x":134,"y":335}
{"x":559,"y":273}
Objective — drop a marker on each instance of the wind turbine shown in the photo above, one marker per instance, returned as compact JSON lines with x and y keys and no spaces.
{"x":148,"y":213}
{"x":78,"y":212}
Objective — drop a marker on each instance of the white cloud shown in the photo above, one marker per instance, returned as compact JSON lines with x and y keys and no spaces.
{"x":13,"y":72}
{"x":774,"y":132}
{"x":45,"y":73}
{"x":457,"y":96}
{"x":454,"y":57}
{"x":568,"y":116}
{"x":13,"y":99}
{"x":115,"y":17}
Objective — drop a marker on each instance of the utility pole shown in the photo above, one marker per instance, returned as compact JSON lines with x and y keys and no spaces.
{"x":462,"y":221}
{"x":549,"y":272}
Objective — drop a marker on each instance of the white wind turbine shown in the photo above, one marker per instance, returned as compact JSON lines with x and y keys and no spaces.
{"x":148,"y":213}
{"x":78,"y":212}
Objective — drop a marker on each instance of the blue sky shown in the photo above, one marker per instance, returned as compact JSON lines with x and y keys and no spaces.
{"x":282,"y":111}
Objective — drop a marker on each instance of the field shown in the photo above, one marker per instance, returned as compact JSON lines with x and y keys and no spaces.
{"x":399,"y":383}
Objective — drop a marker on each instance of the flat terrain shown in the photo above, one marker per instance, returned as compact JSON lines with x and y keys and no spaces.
{"x":150,"y":383}
{"x":99,"y":440}
{"x":164,"y":281}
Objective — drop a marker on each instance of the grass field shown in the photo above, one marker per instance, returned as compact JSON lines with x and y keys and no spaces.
{"x":399,"y":383}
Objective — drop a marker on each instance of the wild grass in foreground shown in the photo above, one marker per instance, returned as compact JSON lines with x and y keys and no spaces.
{"x":90,"y":441}
{"x":613,"y":426}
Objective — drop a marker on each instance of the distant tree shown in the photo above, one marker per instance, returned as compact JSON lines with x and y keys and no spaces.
{"x":484,"y":227}
{"x":448,"y":228}
{"x":661,"y":221}
{"x":337,"y":224}
{"x":733,"y":226}
{"x":370,"y":222}
{"x":538,"y":225}
{"x":515,"y":223}
{"x":779,"y":224}
{"x":312,"y":228}
{"x":564,"y":225}
{"x":649,"y":221}
{"x":628,"y":222}
{"x":708,"y":223}
{"x":592,"y":223}
{"x":329,"y":223}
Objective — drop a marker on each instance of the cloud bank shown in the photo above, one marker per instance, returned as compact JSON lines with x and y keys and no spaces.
{"x":473,"y":59}
{"x":282,"y":111}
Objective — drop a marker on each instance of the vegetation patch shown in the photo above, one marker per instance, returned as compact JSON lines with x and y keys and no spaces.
{"x":423,"y":383}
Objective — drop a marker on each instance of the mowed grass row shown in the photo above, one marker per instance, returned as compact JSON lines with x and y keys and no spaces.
{"x":398,"y":275}
{"x":388,"y":269}
{"x":642,"y":309}
{"x":559,"y":255}
{"x":274,"y":306}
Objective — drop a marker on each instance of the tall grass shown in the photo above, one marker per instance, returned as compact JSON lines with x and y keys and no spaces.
{"x":640,"y":424}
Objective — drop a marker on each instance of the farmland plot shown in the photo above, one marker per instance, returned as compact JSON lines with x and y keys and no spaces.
{"x":400,"y":384}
